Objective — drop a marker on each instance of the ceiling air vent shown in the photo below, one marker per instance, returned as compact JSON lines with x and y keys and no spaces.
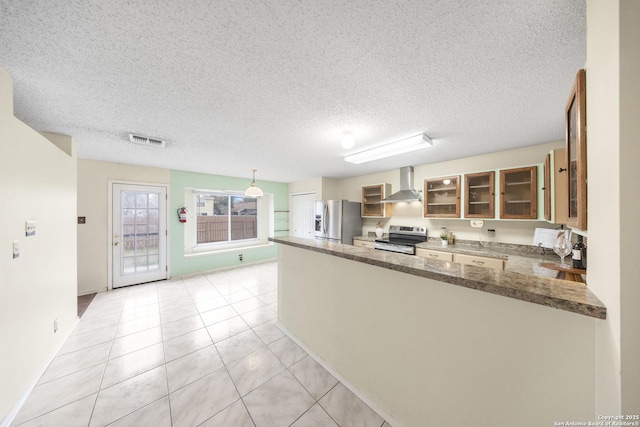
{"x":143,"y":140}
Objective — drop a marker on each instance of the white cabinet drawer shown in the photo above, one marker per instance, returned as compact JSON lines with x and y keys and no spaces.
{"x":363,"y":243}
{"x":479,"y":261}
{"x":429,"y":254}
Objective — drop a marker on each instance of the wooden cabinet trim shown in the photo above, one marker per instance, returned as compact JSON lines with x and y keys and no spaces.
{"x":577,"y":98}
{"x":533,"y":196}
{"x":467,"y":194}
{"x":372,"y":196}
{"x":430,"y":213}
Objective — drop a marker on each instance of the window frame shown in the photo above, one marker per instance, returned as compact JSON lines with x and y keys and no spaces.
{"x":196,"y":247}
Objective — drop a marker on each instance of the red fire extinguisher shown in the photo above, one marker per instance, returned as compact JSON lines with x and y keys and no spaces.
{"x":182,"y":214}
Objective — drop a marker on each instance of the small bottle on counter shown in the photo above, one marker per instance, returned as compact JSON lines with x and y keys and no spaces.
{"x":451,"y":239}
{"x":579,"y":250}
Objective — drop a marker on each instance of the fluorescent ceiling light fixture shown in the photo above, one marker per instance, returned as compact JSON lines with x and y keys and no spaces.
{"x":402,"y":146}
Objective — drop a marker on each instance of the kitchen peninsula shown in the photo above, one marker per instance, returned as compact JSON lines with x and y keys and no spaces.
{"x":428,"y":342}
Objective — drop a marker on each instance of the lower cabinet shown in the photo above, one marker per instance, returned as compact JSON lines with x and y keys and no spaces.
{"x":442,"y":256}
{"x":479,"y":261}
{"x":363,"y":243}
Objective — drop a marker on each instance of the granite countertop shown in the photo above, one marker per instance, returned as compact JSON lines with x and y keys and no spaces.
{"x":519,"y":281}
{"x":520,"y":259}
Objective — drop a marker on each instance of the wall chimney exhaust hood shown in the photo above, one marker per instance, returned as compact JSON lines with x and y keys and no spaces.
{"x":406,"y":193}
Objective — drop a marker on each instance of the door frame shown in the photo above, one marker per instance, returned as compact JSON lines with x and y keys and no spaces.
{"x":110,"y":184}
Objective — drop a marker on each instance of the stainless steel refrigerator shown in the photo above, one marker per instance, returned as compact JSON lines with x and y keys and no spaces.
{"x":338,"y":220}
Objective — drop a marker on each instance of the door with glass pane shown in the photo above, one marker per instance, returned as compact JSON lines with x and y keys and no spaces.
{"x":139,"y":237}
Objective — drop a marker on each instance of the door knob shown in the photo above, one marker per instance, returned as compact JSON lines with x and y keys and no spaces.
{"x":116,"y":243}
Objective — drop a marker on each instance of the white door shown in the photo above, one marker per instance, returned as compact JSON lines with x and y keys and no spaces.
{"x":139,"y":240}
{"x":302,"y":213}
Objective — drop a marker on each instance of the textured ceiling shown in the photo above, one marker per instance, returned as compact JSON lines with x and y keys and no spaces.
{"x":272,"y":84}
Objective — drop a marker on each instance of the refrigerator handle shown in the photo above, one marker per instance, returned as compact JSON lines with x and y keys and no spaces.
{"x":325,"y":214}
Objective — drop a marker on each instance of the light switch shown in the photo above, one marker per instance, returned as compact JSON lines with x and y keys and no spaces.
{"x":30,"y":228}
{"x":16,"y":249}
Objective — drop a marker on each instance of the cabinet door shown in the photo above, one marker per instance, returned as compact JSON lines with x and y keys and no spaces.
{"x":372,"y":205}
{"x":559,"y":183}
{"x":479,"y":261}
{"x":547,"y":188}
{"x":479,"y":195}
{"x":442,"y":197}
{"x":518,"y":195}
{"x":576,"y":146}
{"x":427,"y":253}
{"x":363,"y":243}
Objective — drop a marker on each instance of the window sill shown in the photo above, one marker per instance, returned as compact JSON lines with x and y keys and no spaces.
{"x":196,"y":252}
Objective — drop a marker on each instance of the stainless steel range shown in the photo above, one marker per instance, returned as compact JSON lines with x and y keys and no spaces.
{"x":402,"y":239}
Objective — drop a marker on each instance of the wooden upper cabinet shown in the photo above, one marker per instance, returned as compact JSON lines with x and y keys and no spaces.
{"x":547,"y":171}
{"x":518,"y":195}
{"x":576,"y":155}
{"x":479,"y":195}
{"x":555,"y":187}
{"x":372,"y":206}
{"x":442,"y":197}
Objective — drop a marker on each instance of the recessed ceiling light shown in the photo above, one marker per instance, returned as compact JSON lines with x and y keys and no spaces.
{"x":348,"y":140}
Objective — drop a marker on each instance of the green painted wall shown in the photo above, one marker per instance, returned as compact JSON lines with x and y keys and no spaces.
{"x":181,"y":265}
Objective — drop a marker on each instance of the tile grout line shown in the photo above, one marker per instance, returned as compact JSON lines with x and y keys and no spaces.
{"x":225,"y":366}
{"x":107,"y":361}
{"x":164,"y":357}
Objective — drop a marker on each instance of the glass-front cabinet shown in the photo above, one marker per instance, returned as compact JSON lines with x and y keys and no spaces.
{"x":442,"y":197}
{"x":576,"y":155}
{"x":518,"y":195}
{"x":479,"y":195}
{"x":372,"y":196}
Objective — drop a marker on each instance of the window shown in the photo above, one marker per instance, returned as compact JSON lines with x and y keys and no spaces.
{"x":223,"y":217}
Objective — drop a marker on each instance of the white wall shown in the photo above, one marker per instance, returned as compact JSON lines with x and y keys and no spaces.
{"x":37,"y":181}
{"x":511,"y":231}
{"x":613,"y":108}
{"x":93,"y":203}
{"x":428,"y":353}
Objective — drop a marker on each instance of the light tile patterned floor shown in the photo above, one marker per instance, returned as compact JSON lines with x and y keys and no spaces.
{"x":198,"y":351}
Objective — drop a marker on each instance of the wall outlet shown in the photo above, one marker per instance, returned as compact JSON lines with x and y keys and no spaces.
{"x":241,"y":257}
{"x":55,"y":326}
{"x":16,"y":249}
{"x":491,"y":232}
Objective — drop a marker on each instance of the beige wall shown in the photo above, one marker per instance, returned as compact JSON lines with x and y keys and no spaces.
{"x":427,"y":353}
{"x":38,"y":181}
{"x":630,"y":203}
{"x":612,"y":111}
{"x":325,"y":188}
{"x":613,"y":108}
{"x":93,"y":203}
{"x":603,"y":159}
{"x":512,"y":231}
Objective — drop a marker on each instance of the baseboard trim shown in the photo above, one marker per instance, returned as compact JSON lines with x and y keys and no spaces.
{"x":6,"y":421}
{"x":373,"y":405}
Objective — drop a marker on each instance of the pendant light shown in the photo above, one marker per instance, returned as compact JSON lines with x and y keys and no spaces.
{"x":253,"y":191}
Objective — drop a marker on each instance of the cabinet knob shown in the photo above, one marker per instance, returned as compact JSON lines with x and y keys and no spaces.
{"x":562,"y":170}
{"x":544,"y":188}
